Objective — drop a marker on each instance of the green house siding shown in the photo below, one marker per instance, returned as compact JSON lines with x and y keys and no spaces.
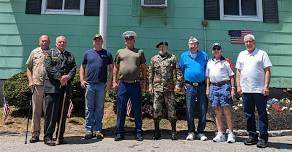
{"x":19,"y":32}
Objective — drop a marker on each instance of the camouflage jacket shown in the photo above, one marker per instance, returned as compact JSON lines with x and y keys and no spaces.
{"x":164,"y":73}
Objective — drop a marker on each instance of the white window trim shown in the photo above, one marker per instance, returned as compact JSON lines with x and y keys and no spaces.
{"x":64,"y":12}
{"x":259,"y":16}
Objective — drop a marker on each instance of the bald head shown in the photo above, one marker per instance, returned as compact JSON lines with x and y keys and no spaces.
{"x":44,"y":42}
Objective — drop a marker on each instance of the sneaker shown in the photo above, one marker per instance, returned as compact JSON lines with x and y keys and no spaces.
{"x":88,"y":135}
{"x":98,"y":135}
{"x":190,"y":136}
{"x":262,"y":143}
{"x":139,"y":137}
{"x":251,"y":141}
{"x":173,"y":135}
{"x":220,"y":137}
{"x":202,"y":137}
{"x":119,"y":137}
{"x":231,"y":138}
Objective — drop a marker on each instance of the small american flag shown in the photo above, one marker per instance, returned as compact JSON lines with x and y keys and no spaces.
{"x":6,"y":110}
{"x":236,"y":36}
{"x":70,"y":109}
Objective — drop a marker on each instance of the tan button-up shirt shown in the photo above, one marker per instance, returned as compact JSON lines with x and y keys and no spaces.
{"x":35,"y":63}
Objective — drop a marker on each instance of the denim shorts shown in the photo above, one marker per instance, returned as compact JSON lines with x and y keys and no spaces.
{"x":220,"y":96}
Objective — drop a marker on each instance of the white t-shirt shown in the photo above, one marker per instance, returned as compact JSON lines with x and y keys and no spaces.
{"x":218,"y":70}
{"x":251,"y":66}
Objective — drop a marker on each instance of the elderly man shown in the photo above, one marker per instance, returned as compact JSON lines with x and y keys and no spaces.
{"x":36,"y":74}
{"x":129,"y":62}
{"x":193,"y":66}
{"x":96,"y":66}
{"x":61,"y":69}
{"x":253,"y":79}
{"x":163,"y":73}
{"x":220,"y":90}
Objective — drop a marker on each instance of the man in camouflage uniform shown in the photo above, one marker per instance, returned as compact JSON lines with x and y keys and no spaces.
{"x":162,"y":75}
{"x":61,"y":68}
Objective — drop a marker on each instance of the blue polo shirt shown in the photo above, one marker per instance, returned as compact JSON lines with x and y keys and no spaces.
{"x":96,"y":63}
{"x":193,"y":69}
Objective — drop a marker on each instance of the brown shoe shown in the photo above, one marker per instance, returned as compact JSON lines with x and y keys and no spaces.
{"x":99,"y":135}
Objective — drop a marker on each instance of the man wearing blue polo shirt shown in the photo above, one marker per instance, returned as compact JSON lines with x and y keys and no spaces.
{"x":193,"y":66}
{"x":95,"y":77}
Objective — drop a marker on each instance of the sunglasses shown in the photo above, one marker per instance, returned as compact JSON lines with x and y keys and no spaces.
{"x":216,"y":48}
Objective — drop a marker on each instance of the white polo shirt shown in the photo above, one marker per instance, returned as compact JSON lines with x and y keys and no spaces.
{"x":251,"y":66}
{"x":218,"y":70}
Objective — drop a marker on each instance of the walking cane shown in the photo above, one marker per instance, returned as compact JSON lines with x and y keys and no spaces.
{"x":28,"y":115}
{"x":61,"y":117}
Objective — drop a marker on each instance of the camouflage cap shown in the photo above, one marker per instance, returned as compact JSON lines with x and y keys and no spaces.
{"x":129,"y":34}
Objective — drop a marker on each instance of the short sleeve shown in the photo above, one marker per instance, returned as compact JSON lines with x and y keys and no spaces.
{"x":29,"y":62}
{"x":84,"y":61}
{"x":229,"y":69}
{"x":117,"y":58}
{"x":110,"y":58}
{"x":237,"y":65}
{"x":266,"y":60}
{"x":207,"y":70}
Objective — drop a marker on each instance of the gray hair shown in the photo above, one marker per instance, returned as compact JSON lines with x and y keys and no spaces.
{"x":249,"y":36}
{"x":59,"y":37}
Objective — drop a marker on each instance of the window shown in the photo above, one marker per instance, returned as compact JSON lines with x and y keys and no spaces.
{"x":72,"y":7}
{"x":249,"y":10}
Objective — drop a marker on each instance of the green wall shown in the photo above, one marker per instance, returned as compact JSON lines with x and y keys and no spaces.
{"x":19,"y":32}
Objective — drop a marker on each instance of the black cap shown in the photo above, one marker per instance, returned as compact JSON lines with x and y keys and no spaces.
{"x":161,"y":43}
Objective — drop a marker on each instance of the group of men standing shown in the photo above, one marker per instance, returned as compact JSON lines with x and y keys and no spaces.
{"x":50,"y":72}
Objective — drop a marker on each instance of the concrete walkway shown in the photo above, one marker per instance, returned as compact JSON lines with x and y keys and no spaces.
{"x":15,"y":143}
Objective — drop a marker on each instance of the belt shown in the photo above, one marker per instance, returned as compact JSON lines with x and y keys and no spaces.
{"x":130,"y":81}
{"x":221,"y":83}
{"x":195,"y":84}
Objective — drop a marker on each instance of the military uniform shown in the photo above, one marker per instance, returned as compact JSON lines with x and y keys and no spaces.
{"x":162,"y":75}
{"x":57,"y":64}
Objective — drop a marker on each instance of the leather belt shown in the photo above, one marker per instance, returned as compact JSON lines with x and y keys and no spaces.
{"x":195,"y":84}
{"x":221,"y":83}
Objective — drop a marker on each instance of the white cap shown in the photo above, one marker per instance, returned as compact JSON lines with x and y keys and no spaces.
{"x":128,"y":34}
{"x":192,"y":39}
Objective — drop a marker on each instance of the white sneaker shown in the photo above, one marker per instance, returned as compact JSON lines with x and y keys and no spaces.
{"x":219,"y":137}
{"x":231,"y":138}
{"x":202,"y":137}
{"x":190,"y":136}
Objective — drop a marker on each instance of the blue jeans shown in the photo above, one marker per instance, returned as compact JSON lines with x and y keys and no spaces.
{"x":94,"y":106}
{"x":196,"y":96}
{"x":250,"y":101}
{"x":128,"y":91}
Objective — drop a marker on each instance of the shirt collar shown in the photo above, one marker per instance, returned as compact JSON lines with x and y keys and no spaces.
{"x":221,"y":58}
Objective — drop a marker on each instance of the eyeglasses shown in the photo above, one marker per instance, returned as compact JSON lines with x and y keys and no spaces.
{"x":216,"y":48}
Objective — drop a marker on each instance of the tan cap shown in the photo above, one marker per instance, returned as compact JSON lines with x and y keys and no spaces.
{"x":129,"y":34}
{"x":97,"y":35}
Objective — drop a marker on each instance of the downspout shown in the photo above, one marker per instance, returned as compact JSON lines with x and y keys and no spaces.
{"x":205,"y":25}
{"x":103,"y":21}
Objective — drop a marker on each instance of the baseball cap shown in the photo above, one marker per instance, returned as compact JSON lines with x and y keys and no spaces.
{"x":97,"y":35}
{"x":129,"y":34}
{"x":192,"y":39}
{"x":161,"y":43}
{"x":216,"y":44}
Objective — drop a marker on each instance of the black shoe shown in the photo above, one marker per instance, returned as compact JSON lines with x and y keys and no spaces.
{"x":262,"y":143}
{"x":139,"y":137}
{"x":173,"y":135}
{"x":88,"y":135}
{"x":251,"y":141}
{"x":156,"y":135}
{"x":49,"y":142}
{"x":34,"y":139}
{"x":61,"y":141}
{"x":119,"y":137}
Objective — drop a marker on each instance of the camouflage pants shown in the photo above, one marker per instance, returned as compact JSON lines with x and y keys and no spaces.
{"x":164,"y":100}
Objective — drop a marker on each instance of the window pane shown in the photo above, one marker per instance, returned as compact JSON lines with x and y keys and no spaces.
{"x":72,"y":4}
{"x":249,"y":7}
{"x":231,"y":7}
{"x":54,"y":4}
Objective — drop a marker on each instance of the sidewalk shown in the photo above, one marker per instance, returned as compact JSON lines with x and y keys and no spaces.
{"x":15,"y":143}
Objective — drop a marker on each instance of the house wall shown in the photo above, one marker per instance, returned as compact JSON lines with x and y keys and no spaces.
{"x":19,"y":32}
